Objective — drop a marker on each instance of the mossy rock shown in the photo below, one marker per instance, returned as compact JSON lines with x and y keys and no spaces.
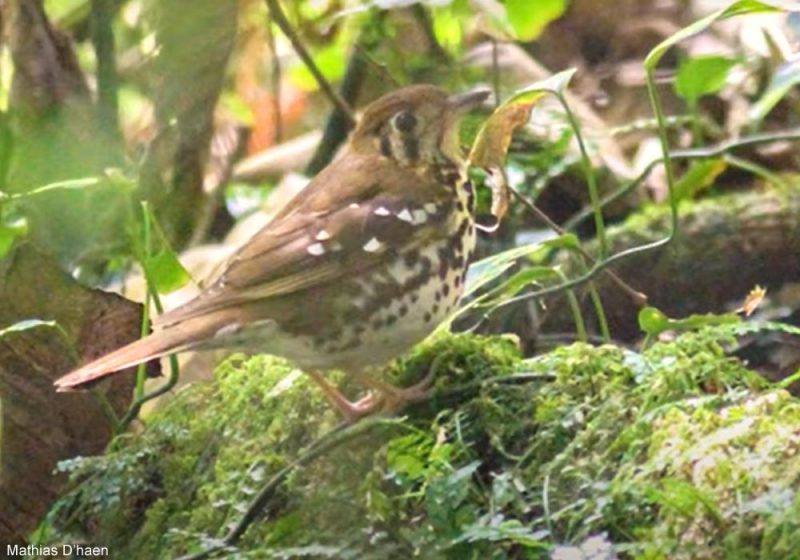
{"x":585,"y":452}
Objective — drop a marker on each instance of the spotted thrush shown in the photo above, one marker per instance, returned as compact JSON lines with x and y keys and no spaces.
{"x":361,"y":265}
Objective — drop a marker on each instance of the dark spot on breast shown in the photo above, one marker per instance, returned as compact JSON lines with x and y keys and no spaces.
{"x":470,"y":230}
{"x":411,"y":258}
{"x":460,"y":206}
{"x":446,"y":290}
{"x":403,"y":310}
{"x":457,"y":281}
{"x":391,"y":320}
{"x":376,"y":324}
{"x":437,"y":296}
{"x":427,"y":317}
{"x":435,"y":309}
{"x":414,"y":297}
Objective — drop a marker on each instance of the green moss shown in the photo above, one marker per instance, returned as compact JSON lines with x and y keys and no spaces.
{"x":677,"y":452}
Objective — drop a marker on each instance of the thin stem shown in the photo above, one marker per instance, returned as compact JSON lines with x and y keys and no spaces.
{"x":591,"y":181}
{"x":152,"y":296}
{"x":655,"y":103}
{"x":600,"y":312}
{"x":638,"y":298}
{"x":575,"y":309}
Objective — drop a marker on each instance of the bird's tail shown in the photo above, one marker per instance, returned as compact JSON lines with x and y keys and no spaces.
{"x":173,"y":339}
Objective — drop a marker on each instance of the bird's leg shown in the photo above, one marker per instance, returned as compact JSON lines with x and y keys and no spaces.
{"x":352,"y":411}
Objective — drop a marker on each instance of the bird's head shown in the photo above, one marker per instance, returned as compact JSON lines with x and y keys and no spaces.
{"x":415,"y":125}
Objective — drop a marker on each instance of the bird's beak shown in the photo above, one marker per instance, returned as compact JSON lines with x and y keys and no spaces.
{"x":463,"y":102}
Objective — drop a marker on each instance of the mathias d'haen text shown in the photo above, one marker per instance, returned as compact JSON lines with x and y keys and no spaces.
{"x":17,"y":551}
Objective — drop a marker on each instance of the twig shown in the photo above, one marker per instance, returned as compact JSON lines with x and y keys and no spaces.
{"x":637,"y":297}
{"x":280,"y":20}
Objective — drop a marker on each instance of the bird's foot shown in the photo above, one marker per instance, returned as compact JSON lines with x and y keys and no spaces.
{"x":395,"y":398}
{"x":352,"y":411}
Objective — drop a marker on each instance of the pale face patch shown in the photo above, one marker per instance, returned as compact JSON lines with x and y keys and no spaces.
{"x":316,"y":249}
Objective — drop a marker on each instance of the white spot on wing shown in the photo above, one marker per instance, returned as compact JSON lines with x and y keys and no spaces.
{"x":382,"y":211}
{"x":420,"y":216}
{"x":406,"y":216}
{"x":335,"y":246}
{"x":372,"y":245}
{"x":233,"y":328}
{"x":323,"y":235}
{"x":316,"y":249}
{"x":430,"y":208}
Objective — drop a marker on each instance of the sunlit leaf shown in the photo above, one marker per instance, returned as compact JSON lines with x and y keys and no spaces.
{"x":784,"y":79}
{"x":737,"y":8}
{"x":161,"y":265}
{"x":529,"y":19}
{"x":166,"y":271}
{"x":702,"y":75}
{"x":331,"y":62}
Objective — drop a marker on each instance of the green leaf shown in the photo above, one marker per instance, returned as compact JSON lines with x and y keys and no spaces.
{"x":785,"y":78}
{"x":331,"y":63}
{"x":166,"y":271}
{"x":163,"y":270}
{"x":737,"y":8}
{"x":700,"y":176}
{"x":653,"y":322}
{"x":448,"y":24}
{"x":529,"y":19}
{"x":702,"y":75}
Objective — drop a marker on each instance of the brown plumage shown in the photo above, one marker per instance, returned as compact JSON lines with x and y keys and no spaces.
{"x":358,"y":267}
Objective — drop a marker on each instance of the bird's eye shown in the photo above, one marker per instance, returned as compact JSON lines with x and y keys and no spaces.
{"x":405,"y":121}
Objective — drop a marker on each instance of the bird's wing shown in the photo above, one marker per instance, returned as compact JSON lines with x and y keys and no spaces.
{"x":323,"y":238}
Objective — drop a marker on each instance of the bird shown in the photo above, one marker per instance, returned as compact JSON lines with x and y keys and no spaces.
{"x":361,"y":265}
